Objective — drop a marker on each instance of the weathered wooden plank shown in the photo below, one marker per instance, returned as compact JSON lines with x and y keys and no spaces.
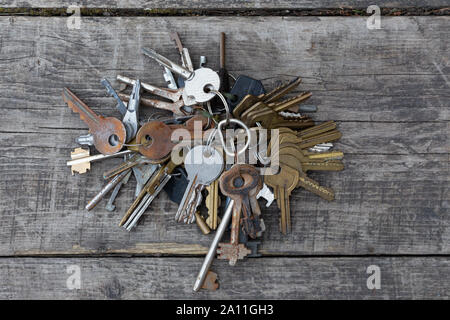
{"x":388,"y":200}
{"x":385,"y":204}
{"x":355,"y":74}
{"x":220,"y":4}
{"x":277,"y":278}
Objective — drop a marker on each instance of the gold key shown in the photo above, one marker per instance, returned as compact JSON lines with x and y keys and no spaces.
{"x":212,"y":204}
{"x":262,"y":107}
{"x":269,"y":97}
{"x":283,"y":183}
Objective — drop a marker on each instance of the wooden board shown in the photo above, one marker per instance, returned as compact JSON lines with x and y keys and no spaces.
{"x":387,"y":198}
{"x":220,"y":4}
{"x":276,"y":278}
{"x":388,"y":90}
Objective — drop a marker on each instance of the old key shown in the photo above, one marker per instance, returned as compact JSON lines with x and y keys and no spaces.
{"x":109,"y":133}
{"x":240,"y":183}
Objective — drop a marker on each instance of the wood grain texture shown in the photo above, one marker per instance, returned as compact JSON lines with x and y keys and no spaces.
{"x":277,"y":278}
{"x":220,"y":4}
{"x":387,"y":88}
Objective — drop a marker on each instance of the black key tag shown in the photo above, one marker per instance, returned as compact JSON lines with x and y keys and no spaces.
{"x":243,"y":86}
{"x":177,"y":185}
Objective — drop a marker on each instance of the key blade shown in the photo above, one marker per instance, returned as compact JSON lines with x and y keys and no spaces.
{"x":148,"y":202}
{"x":120,"y":105}
{"x":167,"y":63}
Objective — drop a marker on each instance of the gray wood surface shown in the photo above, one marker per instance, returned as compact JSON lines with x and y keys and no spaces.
{"x":276,"y":278}
{"x":388,"y":89}
{"x":221,"y":4}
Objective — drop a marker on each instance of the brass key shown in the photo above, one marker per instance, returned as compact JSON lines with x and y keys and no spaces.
{"x":283,"y":183}
{"x":304,"y":181}
{"x":109,"y":133}
{"x":269,"y":97}
{"x":261,"y":110}
{"x":212,"y":204}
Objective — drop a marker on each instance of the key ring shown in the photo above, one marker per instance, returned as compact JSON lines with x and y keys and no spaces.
{"x":224,"y":102}
{"x":222,"y":141}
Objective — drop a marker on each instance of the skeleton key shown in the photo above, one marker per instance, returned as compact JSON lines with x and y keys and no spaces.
{"x":203,"y":165}
{"x":212,"y":249}
{"x":120,"y":105}
{"x":148,"y":193}
{"x":109,"y":133}
{"x":283,"y":183}
{"x":239,"y":183}
{"x":196,"y":82}
{"x":131,"y":118}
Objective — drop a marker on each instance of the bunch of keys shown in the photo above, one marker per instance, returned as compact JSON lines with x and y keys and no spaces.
{"x":147,"y":147}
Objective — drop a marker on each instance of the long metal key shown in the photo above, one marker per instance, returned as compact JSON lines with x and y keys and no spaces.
{"x":212,"y":249}
{"x":109,"y":133}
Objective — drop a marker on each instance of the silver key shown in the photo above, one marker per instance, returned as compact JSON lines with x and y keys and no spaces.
{"x":110,"y":206}
{"x":168,"y":76}
{"x":203,"y":165}
{"x":321,"y":147}
{"x":120,"y":105}
{"x":131,"y":118}
{"x":196,"y":81}
{"x":224,"y":223}
{"x":267,"y":194}
{"x":184,"y":52}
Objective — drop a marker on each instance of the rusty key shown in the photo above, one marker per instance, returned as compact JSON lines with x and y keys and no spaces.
{"x":109,"y":133}
{"x":239,"y":183}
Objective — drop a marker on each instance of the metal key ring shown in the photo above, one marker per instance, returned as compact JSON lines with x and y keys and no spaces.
{"x":247,"y":132}
{"x":224,"y":102}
